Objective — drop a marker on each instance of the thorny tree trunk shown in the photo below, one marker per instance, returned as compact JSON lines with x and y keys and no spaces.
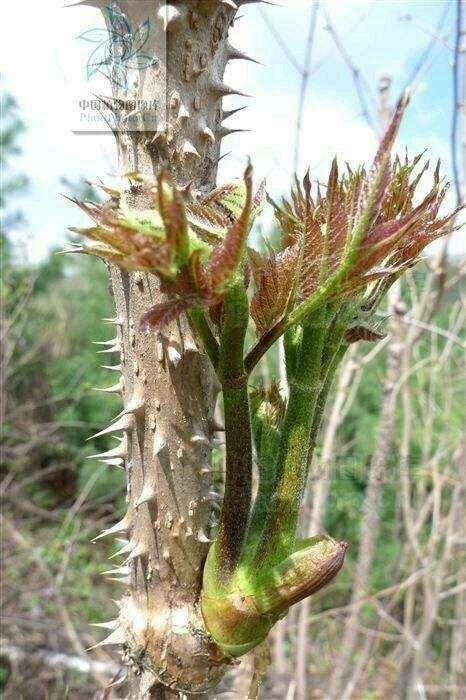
{"x":168,"y":388}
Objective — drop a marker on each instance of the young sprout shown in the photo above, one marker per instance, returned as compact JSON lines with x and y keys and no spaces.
{"x":342,"y":247}
{"x":194,"y":249}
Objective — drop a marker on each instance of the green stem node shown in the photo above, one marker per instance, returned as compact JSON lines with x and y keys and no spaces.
{"x":240,"y":617}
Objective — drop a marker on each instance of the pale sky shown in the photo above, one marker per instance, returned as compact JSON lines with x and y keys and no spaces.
{"x":44,"y":67}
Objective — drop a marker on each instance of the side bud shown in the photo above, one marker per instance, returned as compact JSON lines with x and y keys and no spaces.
{"x":240,"y":617}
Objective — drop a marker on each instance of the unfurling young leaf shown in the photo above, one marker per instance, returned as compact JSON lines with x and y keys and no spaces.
{"x":195,"y":249}
{"x":274,"y":276}
{"x":364,"y":230}
{"x":227,"y":255}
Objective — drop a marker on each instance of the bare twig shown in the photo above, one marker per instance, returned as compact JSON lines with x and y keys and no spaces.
{"x":457,"y":69}
{"x":359,"y":81}
{"x":281,"y":43}
{"x":16,"y":654}
{"x":304,"y":80}
{"x":433,"y":40}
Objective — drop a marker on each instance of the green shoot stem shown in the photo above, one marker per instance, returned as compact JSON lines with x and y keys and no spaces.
{"x":280,"y":528}
{"x":202,"y":328}
{"x":267,"y":454}
{"x":328,"y":375}
{"x":291,"y":344}
{"x":234,"y":515}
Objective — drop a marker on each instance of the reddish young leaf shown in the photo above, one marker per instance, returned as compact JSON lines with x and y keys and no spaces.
{"x":379,"y":174}
{"x":259,"y":199}
{"x":227,"y":255}
{"x":201,"y":281}
{"x":173,"y":213}
{"x":256,"y":264}
{"x":150,"y":253}
{"x":165,"y":312}
{"x":312,"y":258}
{"x":352,"y":335}
{"x":433,"y":229}
{"x":336,"y":220}
{"x":215,"y":195}
{"x":276,"y":284}
{"x":208,"y":222}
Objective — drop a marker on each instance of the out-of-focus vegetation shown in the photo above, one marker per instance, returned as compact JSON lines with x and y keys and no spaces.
{"x":55,"y":499}
{"x":53,"y":495}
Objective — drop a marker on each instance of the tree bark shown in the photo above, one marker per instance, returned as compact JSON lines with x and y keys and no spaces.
{"x":167,"y":115}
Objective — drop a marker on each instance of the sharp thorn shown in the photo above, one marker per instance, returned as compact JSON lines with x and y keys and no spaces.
{"x":188,"y":150}
{"x":170,"y":15}
{"x":122,"y":526}
{"x":187,"y":191}
{"x":116,"y":637}
{"x":225,"y":131}
{"x":107,"y":343}
{"x":236,"y":54}
{"x":132,"y":114}
{"x":117,"y":462}
{"x":211,"y":496}
{"x":183,"y":113}
{"x":227,"y":113}
{"x":173,"y":355}
{"x":161,"y":133}
{"x":138,"y":551}
{"x":119,"y":571}
{"x":125,"y":580}
{"x":114,"y":389}
{"x":223,"y":90}
{"x":120,"y":450}
{"x":160,"y":443}
{"x":114,"y":348}
{"x":200,"y":438}
{"x":124,"y":423}
{"x":122,"y":541}
{"x":116,"y":321}
{"x":126,"y":549}
{"x":111,"y":625}
{"x":208,"y":134}
{"x":148,"y":493}
{"x":119,"y":680}
{"x":136,"y":405}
